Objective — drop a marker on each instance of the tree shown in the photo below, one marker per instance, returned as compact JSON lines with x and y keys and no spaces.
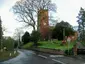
{"x":26,"y":37}
{"x":35,"y":36}
{"x":17,"y":35}
{"x":4,"y":29}
{"x":81,"y":24}
{"x":27,"y":10}
{"x":61,"y":30}
{"x":9,"y":43}
{"x":1,"y":33}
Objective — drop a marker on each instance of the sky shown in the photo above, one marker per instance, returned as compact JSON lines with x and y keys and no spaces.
{"x":67,"y":10}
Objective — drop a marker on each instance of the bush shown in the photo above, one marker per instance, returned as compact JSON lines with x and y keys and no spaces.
{"x":69,"y":53}
{"x":8,"y":42}
{"x":26,"y":38}
{"x":35,"y":37}
{"x":15,"y":44}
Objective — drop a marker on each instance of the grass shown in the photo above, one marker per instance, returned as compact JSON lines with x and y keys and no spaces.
{"x":56,"y":45}
{"x":5,"y":55}
{"x":27,"y":46}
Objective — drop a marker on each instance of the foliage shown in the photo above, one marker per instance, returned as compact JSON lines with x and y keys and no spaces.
{"x":28,"y":45}
{"x":26,"y":37}
{"x":15,"y":44}
{"x":8,"y":42}
{"x":17,"y":36}
{"x":27,"y":10}
{"x":81,"y":24}
{"x":35,"y":36}
{"x":61,"y":30}
{"x":70,"y":52}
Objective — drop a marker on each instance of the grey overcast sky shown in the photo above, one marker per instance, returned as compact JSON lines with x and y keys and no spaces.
{"x":67,"y":10}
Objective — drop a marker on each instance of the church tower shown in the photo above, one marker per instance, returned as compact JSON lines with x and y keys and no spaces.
{"x":43,"y":24}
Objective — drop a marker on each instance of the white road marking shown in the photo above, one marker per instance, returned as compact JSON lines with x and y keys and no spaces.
{"x":58,"y":61}
{"x":43,"y":56}
{"x":56,"y":56}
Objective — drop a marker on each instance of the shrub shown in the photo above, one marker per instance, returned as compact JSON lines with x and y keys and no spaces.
{"x":35,"y":36}
{"x":26,"y":38}
{"x":69,"y":53}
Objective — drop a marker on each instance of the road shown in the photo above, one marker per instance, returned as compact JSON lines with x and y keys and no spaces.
{"x":30,"y":57}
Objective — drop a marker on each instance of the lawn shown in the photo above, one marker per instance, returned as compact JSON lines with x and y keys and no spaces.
{"x":5,"y":55}
{"x":56,"y":45}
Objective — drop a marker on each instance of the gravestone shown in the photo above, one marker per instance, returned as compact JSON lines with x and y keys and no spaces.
{"x":10,"y":54}
{"x":15,"y":52}
{"x":1,"y":50}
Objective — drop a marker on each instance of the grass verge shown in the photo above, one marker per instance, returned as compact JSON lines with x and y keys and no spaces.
{"x":5,"y":55}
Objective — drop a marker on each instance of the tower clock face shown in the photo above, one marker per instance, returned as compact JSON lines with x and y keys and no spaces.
{"x":44,"y":23}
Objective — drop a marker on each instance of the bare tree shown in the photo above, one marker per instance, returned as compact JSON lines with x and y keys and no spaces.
{"x":27,"y":10}
{"x":17,"y":35}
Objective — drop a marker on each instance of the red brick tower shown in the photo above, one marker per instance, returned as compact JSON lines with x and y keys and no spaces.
{"x":43,"y":24}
